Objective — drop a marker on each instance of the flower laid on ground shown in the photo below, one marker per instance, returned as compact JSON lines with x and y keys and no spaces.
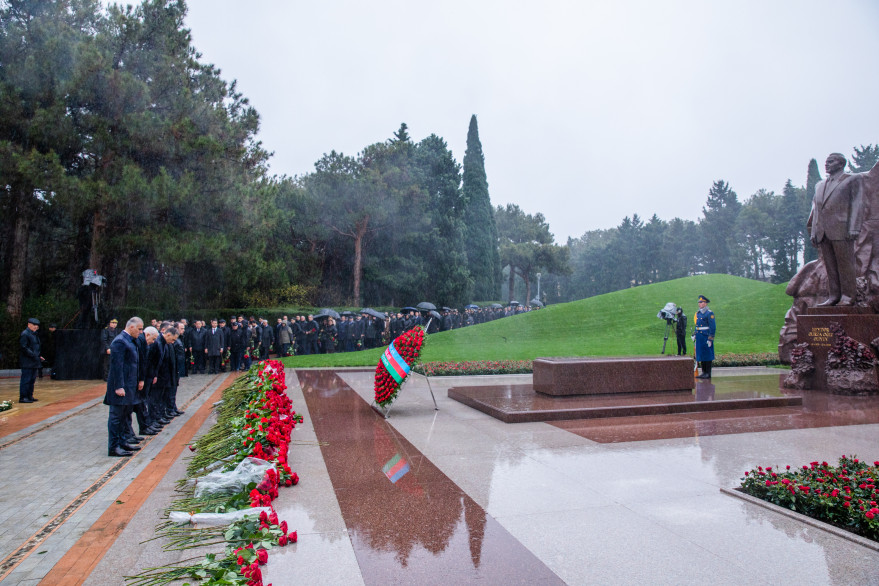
{"x":255,"y":420}
{"x":844,"y":495}
{"x":395,"y":364}
{"x":5,"y":405}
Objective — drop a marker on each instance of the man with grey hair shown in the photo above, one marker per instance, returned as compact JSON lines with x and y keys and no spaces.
{"x":122,"y":385}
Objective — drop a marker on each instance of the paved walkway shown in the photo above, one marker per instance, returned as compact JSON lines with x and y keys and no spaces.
{"x":581,"y":511}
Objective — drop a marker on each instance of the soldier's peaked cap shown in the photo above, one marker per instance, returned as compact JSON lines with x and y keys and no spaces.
{"x":705,"y":299}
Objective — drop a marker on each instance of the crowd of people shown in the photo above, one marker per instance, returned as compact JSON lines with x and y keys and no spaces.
{"x":143,"y":365}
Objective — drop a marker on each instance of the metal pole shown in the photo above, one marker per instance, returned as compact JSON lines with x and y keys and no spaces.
{"x":538,"y":287}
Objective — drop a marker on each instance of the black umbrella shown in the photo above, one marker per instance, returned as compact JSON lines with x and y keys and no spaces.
{"x":514,"y":303}
{"x":327,"y":312}
{"x":434,"y":314}
{"x":496,"y":306}
{"x":471,"y":306}
{"x":536,"y":302}
{"x":408,"y":309}
{"x":427,"y":306}
{"x":374,"y":313}
{"x":348,"y":313}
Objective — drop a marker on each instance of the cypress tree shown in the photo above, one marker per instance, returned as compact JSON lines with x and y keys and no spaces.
{"x":813,"y":176}
{"x":480,"y":229}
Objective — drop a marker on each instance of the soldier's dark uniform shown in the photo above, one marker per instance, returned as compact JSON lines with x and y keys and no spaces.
{"x":704,"y":335}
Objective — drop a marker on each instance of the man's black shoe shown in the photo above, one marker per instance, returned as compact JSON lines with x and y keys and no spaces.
{"x":179,"y":412}
{"x":151,"y":431}
{"x":118,"y":453}
{"x":138,"y":439}
{"x":26,"y":400}
{"x":164,"y":421}
{"x":34,"y":399}
{"x":130,"y":447}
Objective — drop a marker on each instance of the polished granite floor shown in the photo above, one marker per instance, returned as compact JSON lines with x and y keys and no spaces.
{"x":482,"y":501}
{"x":454,"y":496}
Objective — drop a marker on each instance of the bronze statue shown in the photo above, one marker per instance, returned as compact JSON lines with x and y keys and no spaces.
{"x":834,"y":224}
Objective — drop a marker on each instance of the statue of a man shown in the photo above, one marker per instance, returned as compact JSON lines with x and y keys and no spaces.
{"x":834,"y":224}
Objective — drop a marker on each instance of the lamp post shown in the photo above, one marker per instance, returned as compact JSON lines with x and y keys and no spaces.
{"x":538,"y":286}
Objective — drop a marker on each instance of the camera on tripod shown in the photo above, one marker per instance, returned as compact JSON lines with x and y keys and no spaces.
{"x":669,"y":314}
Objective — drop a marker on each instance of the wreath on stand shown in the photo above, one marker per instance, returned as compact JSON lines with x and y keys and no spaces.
{"x":395,"y":364}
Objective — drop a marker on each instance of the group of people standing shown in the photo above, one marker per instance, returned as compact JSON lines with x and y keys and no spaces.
{"x":144,"y":367}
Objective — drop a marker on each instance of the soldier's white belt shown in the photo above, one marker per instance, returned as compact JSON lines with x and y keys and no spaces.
{"x":703,"y":328}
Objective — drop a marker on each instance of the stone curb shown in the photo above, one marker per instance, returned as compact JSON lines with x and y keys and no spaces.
{"x":848,"y":535}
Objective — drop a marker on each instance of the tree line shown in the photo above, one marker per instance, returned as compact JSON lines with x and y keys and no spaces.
{"x":122,"y":152}
{"x":763,"y":237}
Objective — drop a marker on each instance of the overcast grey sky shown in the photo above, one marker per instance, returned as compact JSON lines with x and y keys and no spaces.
{"x":588,"y":112}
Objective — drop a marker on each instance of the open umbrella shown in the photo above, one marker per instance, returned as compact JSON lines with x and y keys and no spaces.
{"x":471,"y":306}
{"x":347,"y":313}
{"x":426,"y":306}
{"x":496,"y":306}
{"x":434,"y":314}
{"x":374,"y":313}
{"x":408,"y":309}
{"x":514,"y":303}
{"x":327,"y":312}
{"x":536,"y":302}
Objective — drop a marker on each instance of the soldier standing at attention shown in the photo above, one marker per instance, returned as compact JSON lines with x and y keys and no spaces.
{"x":704,"y":337}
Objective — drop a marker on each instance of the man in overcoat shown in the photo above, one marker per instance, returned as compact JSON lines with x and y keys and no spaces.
{"x":31,"y":361}
{"x":121,"y":385}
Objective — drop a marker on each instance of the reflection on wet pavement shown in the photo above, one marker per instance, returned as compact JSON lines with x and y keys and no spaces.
{"x":407,"y":520}
{"x":819,"y":409}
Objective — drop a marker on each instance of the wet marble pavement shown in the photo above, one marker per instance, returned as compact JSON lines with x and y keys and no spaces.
{"x":484,"y":501}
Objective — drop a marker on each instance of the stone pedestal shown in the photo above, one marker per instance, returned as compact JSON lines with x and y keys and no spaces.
{"x":813,"y":327}
{"x":599,"y":376}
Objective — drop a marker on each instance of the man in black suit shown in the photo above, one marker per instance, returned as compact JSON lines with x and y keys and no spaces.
{"x":122,"y":385}
{"x":215,"y":345}
{"x":197,"y":347}
{"x":31,"y":361}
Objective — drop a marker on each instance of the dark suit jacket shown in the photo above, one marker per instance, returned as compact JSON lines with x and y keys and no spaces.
{"x":166,"y":369}
{"x":29,"y":353}
{"x":836,"y":208}
{"x":215,"y":342}
{"x":123,"y":371}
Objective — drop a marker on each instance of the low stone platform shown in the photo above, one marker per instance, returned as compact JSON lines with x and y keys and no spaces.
{"x":521,"y":404}
{"x":601,"y":376}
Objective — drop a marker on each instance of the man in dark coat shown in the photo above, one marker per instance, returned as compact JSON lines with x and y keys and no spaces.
{"x":167,"y":376}
{"x":197,"y":346}
{"x":31,"y":361}
{"x":121,"y":384}
{"x":681,"y":331}
{"x":180,"y":354}
{"x":107,"y":336}
{"x":237,"y":344}
{"x":266,"y":339}
{"x":215,"y":346}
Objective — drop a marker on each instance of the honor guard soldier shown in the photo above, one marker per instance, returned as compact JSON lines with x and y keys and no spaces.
{"x":704,"y":337}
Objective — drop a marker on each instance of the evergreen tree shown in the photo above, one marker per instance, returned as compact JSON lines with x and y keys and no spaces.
{"x":720,"y":250}
{"x":864,"y":158}
{"x":813,"y":177}
{"x":480,"y":234}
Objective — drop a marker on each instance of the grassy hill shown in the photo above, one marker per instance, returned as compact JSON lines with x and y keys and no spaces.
{"x":749,"y":316}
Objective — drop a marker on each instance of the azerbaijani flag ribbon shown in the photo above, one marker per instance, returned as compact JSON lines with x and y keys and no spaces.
{"x":395,"y":363}
{"x":395,"y":468}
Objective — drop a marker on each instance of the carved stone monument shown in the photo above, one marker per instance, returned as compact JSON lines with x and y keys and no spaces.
{"x":842,"y":287}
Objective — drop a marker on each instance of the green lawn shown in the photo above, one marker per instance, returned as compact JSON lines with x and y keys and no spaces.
{"x":749,"y":316}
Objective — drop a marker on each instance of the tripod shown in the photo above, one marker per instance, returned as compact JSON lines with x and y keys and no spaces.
{"x":668,"y":322}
